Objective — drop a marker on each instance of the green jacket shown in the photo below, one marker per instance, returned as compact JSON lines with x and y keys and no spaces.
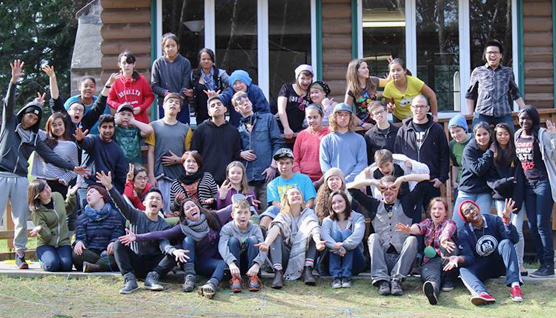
{"x":54,"y":228}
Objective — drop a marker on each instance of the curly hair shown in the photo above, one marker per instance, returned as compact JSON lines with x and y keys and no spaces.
{"x":333,"y":126}
{"x":322,"y":209}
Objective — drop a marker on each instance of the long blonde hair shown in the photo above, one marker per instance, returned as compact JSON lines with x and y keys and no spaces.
{"x":243,"y":184}
{"x":333,"y":126}
{"x":352,"y":78}
{"x":285,"y":207}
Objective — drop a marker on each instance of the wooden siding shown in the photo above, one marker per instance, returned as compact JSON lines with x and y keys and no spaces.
{"x":126,"y":26}
{"x":336,"y":44}
{"x":538,"y":55}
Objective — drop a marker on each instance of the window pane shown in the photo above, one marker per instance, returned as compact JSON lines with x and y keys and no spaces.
{"x":186,"y":20}
{"x":438,"y":50}
{"x":236,"y":36}
{"x":289,"y":34}
{"x":490,"y":20}
{"x":383,"y":33}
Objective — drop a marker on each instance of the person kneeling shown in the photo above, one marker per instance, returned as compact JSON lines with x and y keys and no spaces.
{"x":289,"y":239}
{"x":487,"y":251}
{"x":238,"y":244}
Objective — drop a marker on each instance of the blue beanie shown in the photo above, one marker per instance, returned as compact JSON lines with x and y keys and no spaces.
{"x":241,"y":76}
{"x":459,"y":121}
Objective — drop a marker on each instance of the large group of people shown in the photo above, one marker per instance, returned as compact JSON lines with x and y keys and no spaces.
{"x":234,"y":196}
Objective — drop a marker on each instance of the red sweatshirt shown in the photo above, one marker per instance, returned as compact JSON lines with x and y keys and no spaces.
{"x":133,"y":198}
{"x":137,"y":92}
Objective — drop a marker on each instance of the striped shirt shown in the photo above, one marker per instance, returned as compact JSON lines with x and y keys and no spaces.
{"x":202,"y":189}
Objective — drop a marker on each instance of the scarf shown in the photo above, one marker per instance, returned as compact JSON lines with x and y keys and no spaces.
{"x":209,"y":79}
{"x":197,"y":230}
{"x":247,"y":120}
{"x":26,"y":135}
{"x":190,"y":179}
{"x":99,"y":215}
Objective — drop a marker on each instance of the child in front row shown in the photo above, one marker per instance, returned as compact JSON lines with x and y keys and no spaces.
{"x":238,"y":246}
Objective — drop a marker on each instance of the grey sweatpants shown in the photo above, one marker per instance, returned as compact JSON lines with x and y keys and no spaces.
{"x":15,"y":189}
{"x":385,"y":266}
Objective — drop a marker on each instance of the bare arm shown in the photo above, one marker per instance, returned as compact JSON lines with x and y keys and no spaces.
{"x":431,"y":95}
{"x":145,"y":129}
{"x":470,"y":106}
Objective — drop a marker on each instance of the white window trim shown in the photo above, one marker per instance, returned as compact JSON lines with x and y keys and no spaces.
{"x":262,"y":47}
{"x":359,"y":29}
{"x":210,"y":24}
{"x":411,"y":36}
{"x":464,"y":46}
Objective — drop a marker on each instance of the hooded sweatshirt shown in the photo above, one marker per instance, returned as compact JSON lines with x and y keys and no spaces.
{"x":476,"y":164}
{"x":15,"y":150}
{"x":218,"y":145}
{"x":136,"y":92}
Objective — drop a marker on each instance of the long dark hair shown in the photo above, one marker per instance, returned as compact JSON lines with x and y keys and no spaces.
{"x":51,"y":140}
{"x":33,"y":191}
{"x":483,"y":125}
{"x":347,"y":210}
{"x":212,"y":219}
{"x":504,"y":157}
{"x":535,"y":117}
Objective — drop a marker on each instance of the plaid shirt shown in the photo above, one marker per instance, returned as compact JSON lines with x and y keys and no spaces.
{"x":432,"y":237}
{"x":491,"y":89}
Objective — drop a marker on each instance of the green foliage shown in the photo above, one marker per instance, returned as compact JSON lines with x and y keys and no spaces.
{"x":37,"y":32}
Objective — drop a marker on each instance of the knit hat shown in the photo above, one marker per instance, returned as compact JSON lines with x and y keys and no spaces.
{"x":100,"y":190}
{"x":460,"y":209}
{"x":240,"y":75}
{"x":33,"y":107}
{"x":459,"y":121}
{"x":342,"y":107}
{"x":334,"y":172}
{"x":303,"y":68}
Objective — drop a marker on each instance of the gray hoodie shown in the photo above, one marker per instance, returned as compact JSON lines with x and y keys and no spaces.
{"x":14,"y":152}
{"x":231,"y":231}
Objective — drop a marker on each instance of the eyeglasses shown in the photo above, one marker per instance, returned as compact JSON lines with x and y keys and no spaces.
{"x":419,"y":106}
{"x":492,"y":53}
{"x":380,"y":112}
{"x":469,"y":210}
{"x":142,"y":178}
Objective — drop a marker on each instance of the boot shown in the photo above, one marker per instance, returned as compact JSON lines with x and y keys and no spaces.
{"x":90,"y":267}
{"x":130,"y":284}
{"x":308,"y":277}
{"x":151,"y":282}
{"x":278,"y":281}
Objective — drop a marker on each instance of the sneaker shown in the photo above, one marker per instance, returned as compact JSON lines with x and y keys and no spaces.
{"x":336,"y":283}
{"x":384,"y":288}
{"x":130,"y":284}
{"x":482,"y":299}
{"x":308,"y":277}
{"x":396,"y":288}
{"x":428,"y":289}
{"x":543,"y":272}
{"x":254,"y":283}
{"x":151,"y":282}
{"x":20,"y":261}
{"x":346,"y":282}
{"x":189,"y":284}
{"x":448,"y":286}
{"x":235,"y":284}
{"x":278,"y":281}
{"x":515,"y":293}
{"x":208,"y":290}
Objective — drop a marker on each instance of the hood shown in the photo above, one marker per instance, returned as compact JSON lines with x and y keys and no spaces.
{"x":32,"y":107}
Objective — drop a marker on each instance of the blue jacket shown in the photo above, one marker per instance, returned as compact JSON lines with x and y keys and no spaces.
{"x":256,"y":96}
{"x":264,"y":139}
{"x":493,"y":228}
{"x":98,"y":233}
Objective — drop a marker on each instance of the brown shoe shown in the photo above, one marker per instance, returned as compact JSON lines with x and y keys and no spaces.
{"x":254,"y":283}
{"x":235,"y":284}
{"x":90,"y":267}
{"x":278,"y":281}
{"x":308,"y":277}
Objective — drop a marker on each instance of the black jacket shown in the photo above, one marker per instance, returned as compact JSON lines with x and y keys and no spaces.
{"x":475,"y":164}
{"x":377,"y":140}
{"x":507,"y":182}
{"x":435,"y":151}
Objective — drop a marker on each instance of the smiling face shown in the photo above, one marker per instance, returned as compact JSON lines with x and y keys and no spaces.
{"x":140,"y":181}
{"x":438,"y":212}
{"x":379,"y":114}
{"x":93,"y":196}
{"x":170,"y":48}
{"x":29,"y":120}
{"x":205,"y":62}
{"x":471,"y":213}
{"x":235,"y":175}
{"x":106,"y":131}
{"x":482,"y":137}
{"x":316,"y":95}
{"x":76,"y":112}
{"x":294,"y":196}
{"x":493,"y":56}
{"x":87,"y":89}
{"x":172,"y":106}
{"x":125,"y":67}
{"x":58,"y":128}
{"x":314,"y":118}
{"x":419,"y":108}
{"x":191,"y":211}
{"x":334,"y":183}
{"x":458,"y":134}
{"x":525,"y":121}
{"x":190,"y":165}
{"x":241,"y":217}
{"x":153,"y":203}
{"x":386,"y":168}
{"x":397,"y":72}
{"x":363,"y":71}
{"x":46,"y":194}
{"x":240,"y":86}
{"x":502,"y":136}
{"x":338,"y":204}
{"x":304,"y":80}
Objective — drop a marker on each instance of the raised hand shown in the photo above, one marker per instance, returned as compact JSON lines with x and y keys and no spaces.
{"x":129,"y":238}
{"x":550,"y":127}
{"x":79,"y":134}
{"x":17,"y":70}
{"x":509,"y":208}
{"x":223,"y":190}
{"x":73,"y":190}
{"x":40,"y":98}
{"x":113,"y":77}
{"x":48,"y":70}
{"x":447,"y":244}
{"x":129,"y":176}
{"x":105,"y":179}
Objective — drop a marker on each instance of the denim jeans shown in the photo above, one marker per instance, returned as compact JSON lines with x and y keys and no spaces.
{"x":206,"y":266}
{"x":351,"y":263}
{"x":483,"y":200}
{"x":517,"y":221}
{"x":502,"y":262}
{"x":493,"y":121}
{"x":246,"y":249}
{"x":55,"y":259}
{"x":538,"y":204}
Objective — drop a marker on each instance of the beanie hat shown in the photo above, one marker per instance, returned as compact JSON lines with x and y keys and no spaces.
{"x":334,"y":172}
{"x":33,"y":107}
{"x":459,"y":121}
{"x":322,"y":86}
{"x":102,"y":192}
{"x":303,"y":68}
{"x":240,"y":75}
{"x":460,"y":209}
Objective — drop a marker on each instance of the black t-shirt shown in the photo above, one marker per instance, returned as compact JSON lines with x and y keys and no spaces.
{"x":295,"y":107}
{"x":420,"y":130}
{"x":530,"y":156}
{"x":398,"y":172}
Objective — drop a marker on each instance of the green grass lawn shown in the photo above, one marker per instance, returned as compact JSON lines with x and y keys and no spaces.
{"x":98,"y":297}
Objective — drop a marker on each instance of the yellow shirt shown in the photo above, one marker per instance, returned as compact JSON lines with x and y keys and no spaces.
{"x":403,"y":99}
